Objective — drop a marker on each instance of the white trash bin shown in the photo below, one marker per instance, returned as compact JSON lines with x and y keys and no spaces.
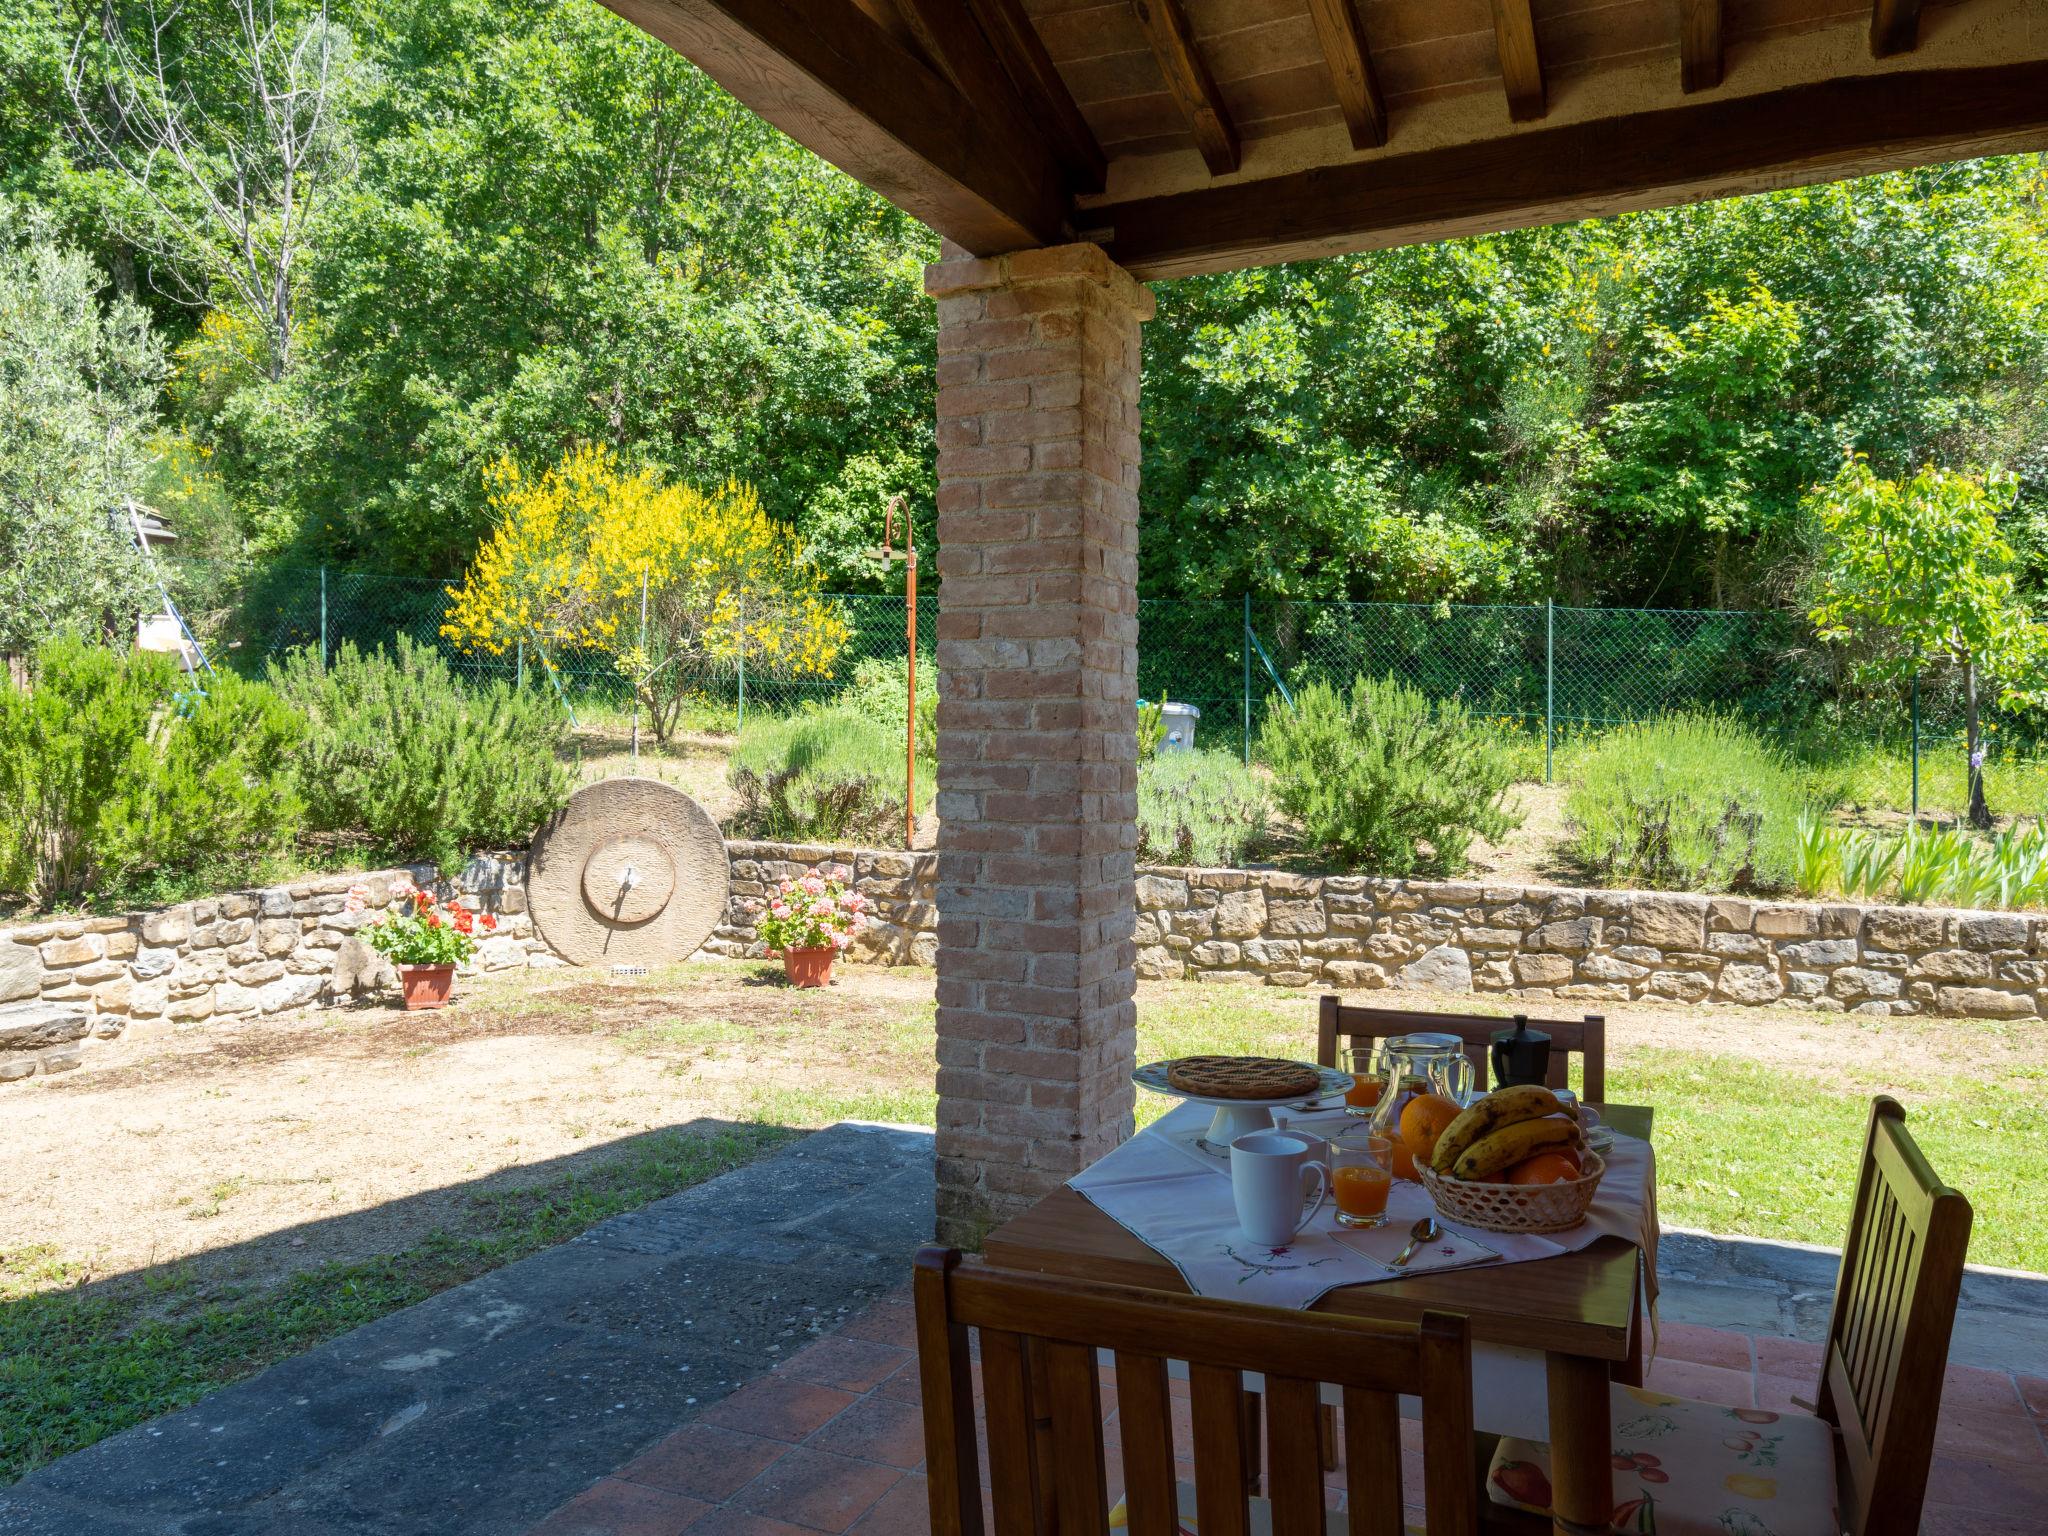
{"x":1179,"y":721}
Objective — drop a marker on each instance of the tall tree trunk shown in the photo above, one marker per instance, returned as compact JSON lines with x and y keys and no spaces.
{"x":1980,"y":813}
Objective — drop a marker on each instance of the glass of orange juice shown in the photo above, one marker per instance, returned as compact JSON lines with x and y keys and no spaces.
{"x":1363,"y":1096}
{"x":1360,"y":1176}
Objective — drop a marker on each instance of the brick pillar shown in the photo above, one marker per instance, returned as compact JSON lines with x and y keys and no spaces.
{"x":1038,"y":632}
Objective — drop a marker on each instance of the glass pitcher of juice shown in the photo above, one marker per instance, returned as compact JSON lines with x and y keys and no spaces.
{"x":1411,"y":1065}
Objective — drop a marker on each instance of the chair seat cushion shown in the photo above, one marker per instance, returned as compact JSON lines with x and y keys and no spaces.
{"x":1683,"y":1467}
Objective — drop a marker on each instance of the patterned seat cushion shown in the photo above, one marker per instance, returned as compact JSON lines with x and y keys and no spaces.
{"x":1682,"y":1467}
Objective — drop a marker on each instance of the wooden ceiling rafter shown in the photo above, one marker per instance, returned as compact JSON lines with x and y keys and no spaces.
{"x":1190,"y":83}
{"x":955,"y":44}
{"x":1017,"y":45}
{"x":1699,"y":45}
{"x":1342,"y":36}
{"x":833,"y":79}
{"x":1894,"y":27}
{"x":1848,"y":126}
{"x":1521,"y":66}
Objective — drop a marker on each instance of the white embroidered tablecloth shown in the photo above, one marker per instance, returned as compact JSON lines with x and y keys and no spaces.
{"x":1176,"y":1199}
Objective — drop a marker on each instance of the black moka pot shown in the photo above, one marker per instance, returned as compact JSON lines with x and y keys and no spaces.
{"x":1520,"y":1055}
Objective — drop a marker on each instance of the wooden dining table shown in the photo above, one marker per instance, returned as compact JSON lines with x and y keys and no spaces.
{"x":1584,"y":1310}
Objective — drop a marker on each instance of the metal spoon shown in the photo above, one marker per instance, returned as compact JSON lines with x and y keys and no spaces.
{"x":1424,"y":1231}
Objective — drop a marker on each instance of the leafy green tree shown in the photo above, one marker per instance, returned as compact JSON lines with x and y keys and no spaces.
{"x":78,"y":381}
{"x":1917,"y":569}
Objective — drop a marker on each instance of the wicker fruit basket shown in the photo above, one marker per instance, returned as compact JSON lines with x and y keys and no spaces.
{"x":1515,"y":1207}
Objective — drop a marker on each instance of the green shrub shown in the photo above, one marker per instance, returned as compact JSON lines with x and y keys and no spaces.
{"x":877,"y":691}
{"x":115,"y":768}
{"x":1385,"y":780}
{"x":825,"y":775}
{"x":404,"y":758}
{"x":1198,"y":808}
{"x":1689,"y":802}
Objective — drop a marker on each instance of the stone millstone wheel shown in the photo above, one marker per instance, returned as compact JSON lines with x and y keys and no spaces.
{"x":631,"y":872}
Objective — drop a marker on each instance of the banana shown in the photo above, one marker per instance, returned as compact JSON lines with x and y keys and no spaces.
{"x":1509,"y":1145}
{"x":1502,"y":1107}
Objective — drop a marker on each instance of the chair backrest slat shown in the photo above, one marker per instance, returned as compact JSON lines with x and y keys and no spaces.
{"x":1294,"y":1456}
{"x":1080,"y":1484}
{"x":1145,"y":1422}
{"x":1338,"y":1022}
{"x":1372,"y":1462}
{"x":1887,"y":1341}
{"x":1040,"y":1338}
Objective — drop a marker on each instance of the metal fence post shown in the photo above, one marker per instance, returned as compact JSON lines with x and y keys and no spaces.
{"x":742,"y":725}
{"x":1916,"y":744}
{"x":1549,"y":683}
{"x":519,"y":669}
{"x":323,"y":618}
{"x":1244,"y":644}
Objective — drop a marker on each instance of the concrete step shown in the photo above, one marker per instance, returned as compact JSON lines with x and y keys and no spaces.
{"x":40,"y":1037}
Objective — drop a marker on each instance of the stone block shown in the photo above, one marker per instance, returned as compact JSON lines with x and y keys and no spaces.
{"x":154,"y":962}
{"x":121,"y":945}
{"x":185,"y":1009}
{"x":275,"y":903}
{"x":1157,"y":963}
{"x":79,"y":951}
{"x":1853,"y":981}
{"x":39,"y":1025}
{"x":1804,"y":984}
{"x":1270,"y":953}
{"x":1446,"y":968}
{"x":1355,"y":973}
{"x":1295,"y":919}
{"x":1572,"y":936}
{"x":1954,"y":965}
{"x":1686,"y":986}
{"x":21,"y":971}
{"x":1543,"y":970}
{"x":1748,"y":984}
{"x":1818,"y":952}
{"x":1733,"y":945}
{"x":1610,"y":969}
{"x":241,"y":904}
{"x":148,"y":999}
{"x":1991,"y":931}
{"x":1668,"y":922}
{"x":1241,"y":914}
{"x":1154,"y":891}
{"x":1786,"y":922}
{"x":1727,"y":914}
{"x":277,"y":936}
{"x":289,"y":992}
{"x":1215,"y":952}
{"x":231,"y":997}
{"x":1984,"y":1003}
{"x":1904,"y":928}
{"x":168,"y":928}
{"x":500,"y":951}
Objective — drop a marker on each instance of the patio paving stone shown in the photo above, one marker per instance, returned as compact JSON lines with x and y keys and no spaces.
{"x":704,"y":1461}
{"x":617,"y":1508}
{"x":817,"y":1490}
{"x":782,"y":1408}
{"x":880,"y":1429}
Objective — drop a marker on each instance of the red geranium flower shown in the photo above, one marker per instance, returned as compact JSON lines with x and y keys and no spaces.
{"x":490,"y":923}
{"x":434,"y":920}
{"x":421,"y":901}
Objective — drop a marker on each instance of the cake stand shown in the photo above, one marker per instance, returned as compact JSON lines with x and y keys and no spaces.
{"x":1240,"y":1117}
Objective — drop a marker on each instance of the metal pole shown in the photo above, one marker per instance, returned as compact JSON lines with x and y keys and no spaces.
{"x":1549,"y":684}
{"x":1245,"y":644}
{"x":742,"y":608}
{"x":1916,"y":744}
{"x":642,"y":678}
{"x":910,"y":707}
{"x":323,"y":618}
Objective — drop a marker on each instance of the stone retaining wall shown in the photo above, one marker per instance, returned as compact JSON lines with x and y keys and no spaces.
{"x":68,"y":981}
{"x":902,"y":887}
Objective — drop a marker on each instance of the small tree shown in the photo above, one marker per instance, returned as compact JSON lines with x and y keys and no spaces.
{"x":1918,"y":569}
{"x":574,"y":550}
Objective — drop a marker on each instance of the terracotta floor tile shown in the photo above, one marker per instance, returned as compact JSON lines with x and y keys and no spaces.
{"x":1776,"y":1356}
{"x":1989,"y":1486}
{"x":852,"y":1365}
{"x":904,"y":1510}
{"x":778,"y":1407}
{"x":704,"y":1460}
{"x":1960,"y":1520}
{"x":1973,"y":1432}
{"x":1777,"y":1393}
{"x":817,"y":1490}
{"x":886,"y":1322}
{"x":1707,"y":1383}
{"x":1969,"y":1386}
{"x":903,"y":1384}
{"x":615,"y":1508}
{"x":878,"y":1428}
{"x":1703,"y":1346}
{"x":737,"y":1522}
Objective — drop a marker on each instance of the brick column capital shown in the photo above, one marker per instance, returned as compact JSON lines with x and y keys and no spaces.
{"x":959,"y":273}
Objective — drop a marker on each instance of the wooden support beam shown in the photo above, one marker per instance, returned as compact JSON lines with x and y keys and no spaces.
{"x":1017,"y":44}
{"x":1173,"y":43}
{"x":1894,"y":27}
{"x":951,"y":38}
{"x":828,"y":76}
{"x":1699,"y":44}
{"x":1344,"y":50}
{"x":1718,"y":147}
{"x":1521,"y":68}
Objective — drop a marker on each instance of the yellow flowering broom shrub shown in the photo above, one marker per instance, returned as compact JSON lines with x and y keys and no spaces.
{"x":563,"y":570}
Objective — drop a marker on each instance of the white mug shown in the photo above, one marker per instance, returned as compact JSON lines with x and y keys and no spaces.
{"x":1266,"y":1169}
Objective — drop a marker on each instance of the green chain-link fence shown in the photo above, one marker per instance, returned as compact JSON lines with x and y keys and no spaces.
{"x":1555,"y":672}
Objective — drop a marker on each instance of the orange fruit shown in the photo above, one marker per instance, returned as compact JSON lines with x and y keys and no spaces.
{"x":1423,"y":1119}
{"x":1551,"y":1166}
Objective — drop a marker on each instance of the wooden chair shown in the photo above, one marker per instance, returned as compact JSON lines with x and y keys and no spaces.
{"x":1042,"y":1403}
{"x":1881,"y":1373}
{"x":1585,"y":1038}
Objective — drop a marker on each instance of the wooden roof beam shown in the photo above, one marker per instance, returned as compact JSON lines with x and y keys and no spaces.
{"x":1894,"y":27}
{"x":1719,"y":147}
{"x":1699,"y":44}
{"x":1344,"y":50}
{"x":1521,"y":67}
{"x":830,"y":77}
{"x":1017,"y":45}
{"x":1188,"y":79}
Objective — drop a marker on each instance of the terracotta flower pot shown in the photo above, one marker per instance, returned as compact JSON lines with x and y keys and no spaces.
{"x":808,"y":967}
{"x":426,"y":986}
